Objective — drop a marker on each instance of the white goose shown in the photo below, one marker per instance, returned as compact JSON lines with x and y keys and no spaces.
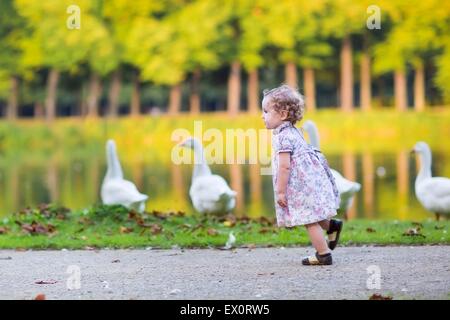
{"x":210,"y":193}
{"x":433,"y":192}
{"x":116,"y":190}
{"x":346,"y":188}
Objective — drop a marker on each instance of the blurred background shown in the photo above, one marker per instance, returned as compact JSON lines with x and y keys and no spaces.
{"x":375,"y":75}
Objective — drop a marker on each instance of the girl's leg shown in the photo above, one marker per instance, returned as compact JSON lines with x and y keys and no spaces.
{"x":325,"y":224}
{"x":317,"y":238}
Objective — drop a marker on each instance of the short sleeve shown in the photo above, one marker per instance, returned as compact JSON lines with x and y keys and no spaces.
{"x":285,"y":143}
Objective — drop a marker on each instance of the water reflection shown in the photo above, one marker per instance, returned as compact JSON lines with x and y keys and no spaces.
{"x":368,"y":184}
{"x":387,"y":183}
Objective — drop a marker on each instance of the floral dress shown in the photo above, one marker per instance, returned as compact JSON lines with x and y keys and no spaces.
{"x":311,"y":193}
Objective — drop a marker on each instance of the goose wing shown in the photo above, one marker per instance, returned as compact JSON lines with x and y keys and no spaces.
{"x":209,"y":188}
{"x":118,"y":191}
{"x":343,"y":184}
{"x":438,"y":186}
{"x":434,"y":194}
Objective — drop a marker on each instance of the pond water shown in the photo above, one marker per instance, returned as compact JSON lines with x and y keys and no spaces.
{"x":387,"y":183}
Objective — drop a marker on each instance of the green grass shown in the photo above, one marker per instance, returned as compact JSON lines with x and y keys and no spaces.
{"x":51,"y":227}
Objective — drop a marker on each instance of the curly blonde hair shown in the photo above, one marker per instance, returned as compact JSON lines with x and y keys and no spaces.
{"x":286,"y":98}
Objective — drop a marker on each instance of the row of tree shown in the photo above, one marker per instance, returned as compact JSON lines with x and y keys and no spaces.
{"x":167,"y":42}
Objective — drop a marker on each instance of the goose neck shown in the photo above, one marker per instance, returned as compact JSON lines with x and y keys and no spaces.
{"x":425,"y":166}
{"x":201,"y":167}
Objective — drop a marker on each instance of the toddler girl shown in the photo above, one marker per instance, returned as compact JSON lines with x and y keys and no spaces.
{"x":305,"y":190}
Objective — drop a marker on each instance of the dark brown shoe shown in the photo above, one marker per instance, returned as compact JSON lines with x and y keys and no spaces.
{"x":318,"y":260}
{"x":334,"y":232}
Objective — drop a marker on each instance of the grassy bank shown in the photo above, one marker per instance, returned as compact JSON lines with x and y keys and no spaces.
{"x":51,"y":227}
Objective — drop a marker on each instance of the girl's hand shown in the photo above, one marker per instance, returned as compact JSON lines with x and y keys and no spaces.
{"x":281,"y":200}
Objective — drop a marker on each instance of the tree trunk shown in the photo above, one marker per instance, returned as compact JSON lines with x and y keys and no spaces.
{"x":419,"y":88}
{"x":310,"y":89}
{"x":50,"y":101}
{"x":135,"y":106}
{"x":234,"y":88}
{"x":94,"y":95}
{"x":290,"y":73}
{"x":346,"y":75}
{"x":38,"y":110}
{"x":194,"y":99}
{"x":365,"y":88}
{"x":114,"y":93}
{"x":381,"y":91}
{"x":368,"y":184}
{"x":253,"y":92}
{"x":13,"y":101}
{"x":400,"y":90}
{"x":175,"y":99}
{"x":349,"y":172}
{"x":77,"y":107}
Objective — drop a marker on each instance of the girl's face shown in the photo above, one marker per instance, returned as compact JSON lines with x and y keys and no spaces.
{"x":272,"y":118}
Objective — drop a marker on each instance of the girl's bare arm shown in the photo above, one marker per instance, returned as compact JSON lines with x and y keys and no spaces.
{"x":284,"y":166}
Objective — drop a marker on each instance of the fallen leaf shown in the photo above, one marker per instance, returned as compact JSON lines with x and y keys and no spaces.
{"x":229,"y":223}
{"x":413,"y":232}
{"x":251,"y":246}
{"x":244,"y":220}
{"x":264,"y":274}
{"x":377,"y":296}
{"x":370,"y":230}
{"x":37,"y":228}
{"x":159,"y":214}
{"x":198,"y":226}
{"x":132,"y":215}
{"x":60,"y":216}
{"x":46,"y":282}
{"x":3,"y":230}
{"x":212,"y":232}
{"x":115,"y":261}
{"x":266,"y":221}
{"x":264,"y":230}
{"x":125,"y":229}
{"x":156,"y":229}
{"x":40,"y":296}
{"x":85,"y":221}
{"x":417,"y":224}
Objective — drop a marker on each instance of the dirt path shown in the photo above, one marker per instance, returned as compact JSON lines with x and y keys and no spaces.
{"x":265,"y":273}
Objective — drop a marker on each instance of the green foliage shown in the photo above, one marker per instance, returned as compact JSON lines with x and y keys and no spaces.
{"x":167,"y":40}
{"x":443,"y":75}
